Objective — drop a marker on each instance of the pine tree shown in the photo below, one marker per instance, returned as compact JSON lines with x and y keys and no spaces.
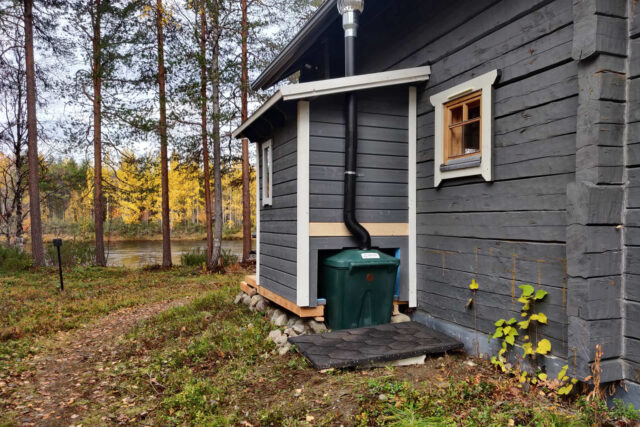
{"x":37,"y":246}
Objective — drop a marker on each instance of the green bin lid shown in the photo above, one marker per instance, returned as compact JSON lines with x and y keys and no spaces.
{"x":356,"y":257}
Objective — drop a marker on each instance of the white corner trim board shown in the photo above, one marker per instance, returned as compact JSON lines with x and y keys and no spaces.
{"x":258,"y":207}
{"x":413,"y":196}
{"x":339,"y":85}
{"x":485,"y":84}
{"x":302,"y":217}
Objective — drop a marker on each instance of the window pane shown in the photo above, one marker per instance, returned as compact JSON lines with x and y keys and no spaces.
{"x":267,"y":171}
{"x":471,"y":138}
{"x":474,"y":109}
{"x":456,"y":115}
{"x":456,"y":141}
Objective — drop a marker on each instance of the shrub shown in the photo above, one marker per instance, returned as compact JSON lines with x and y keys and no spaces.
{"x":72,"y":253}
{"x":228,"y":258}
{"x":197,"y":257}
{"x":13,"y":259}
{"x":194,"y":258}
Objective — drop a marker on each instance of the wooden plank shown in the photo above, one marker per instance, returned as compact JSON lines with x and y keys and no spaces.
{"x":251,"y":280}
{"x":338,"y":229}
{"x":249,"y":290}
{"x":250,"y":286}
{"x":291,"y":306}
{"x":364,"y":215}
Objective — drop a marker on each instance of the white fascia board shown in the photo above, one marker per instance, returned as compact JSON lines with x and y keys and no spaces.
{"x":355,"y":83}
{"x":275,"y":98}
{"x":340,"y":85}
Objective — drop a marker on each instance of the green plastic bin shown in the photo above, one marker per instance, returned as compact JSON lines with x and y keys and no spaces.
{"x":359,"y":287}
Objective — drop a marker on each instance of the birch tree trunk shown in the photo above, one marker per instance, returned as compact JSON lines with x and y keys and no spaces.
{"x":217,"y":158}
{"x":96,"y":77}
{"x":37,"y":246}
{"x":162,"y":128}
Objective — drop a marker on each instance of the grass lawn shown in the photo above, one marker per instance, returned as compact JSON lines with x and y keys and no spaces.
{"x":170,"y":348}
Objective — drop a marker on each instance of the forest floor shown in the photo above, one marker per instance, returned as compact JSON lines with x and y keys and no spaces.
{"x":169,"y":347}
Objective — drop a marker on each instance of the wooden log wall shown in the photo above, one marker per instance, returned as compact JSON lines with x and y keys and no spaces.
{"x":511,"y":231}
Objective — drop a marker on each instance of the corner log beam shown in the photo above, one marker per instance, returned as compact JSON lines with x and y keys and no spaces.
{"x":595,"y":206}
{"x":250,"y":286}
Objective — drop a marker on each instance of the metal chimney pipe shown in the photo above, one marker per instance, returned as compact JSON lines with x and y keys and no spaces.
{"x":350,"y":10}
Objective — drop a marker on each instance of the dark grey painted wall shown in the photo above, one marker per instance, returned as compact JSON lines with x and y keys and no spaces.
{"x":511,"y":231}
{"x":278,"y":222}
{"x":632,"y":217}
{"x":382,"y":156}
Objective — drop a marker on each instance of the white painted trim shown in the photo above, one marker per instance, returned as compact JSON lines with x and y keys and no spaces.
{"x":258,"y":207}
{"x":275,"y":98}
{"x":413,"y":197}
{"x":267,"y":200}
{"x":485,"y":84}
{"x":302,"y":246}
{"x":355,"y":83}
{"x":339,"y":85}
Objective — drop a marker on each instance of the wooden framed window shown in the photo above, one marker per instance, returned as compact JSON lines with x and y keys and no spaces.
{"x":267,"y":173}
{"x":463,"y":134}
{"x":462,"y":127}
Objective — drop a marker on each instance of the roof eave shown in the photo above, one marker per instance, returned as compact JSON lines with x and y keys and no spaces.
{"x":307,"y":35}
{"x":335,"y":86}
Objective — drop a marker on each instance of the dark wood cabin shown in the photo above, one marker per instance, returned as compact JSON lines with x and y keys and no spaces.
{"x":542,"y":189}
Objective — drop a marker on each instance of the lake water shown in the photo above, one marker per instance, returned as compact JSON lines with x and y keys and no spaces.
{"x":135,"y":254}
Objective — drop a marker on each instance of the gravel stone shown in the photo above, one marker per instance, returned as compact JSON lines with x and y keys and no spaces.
{"x":317,"y":327}
{"x":400,"y":318}
{"x":284,"y":349}
{"x":281,"y":320}
{"x":238,"y":298}
{"x":262,"y":305}
{"x":281,"y":340}
{"x":274,"y":335}
{"x":254,"y":300}
{"x":276,"y":313}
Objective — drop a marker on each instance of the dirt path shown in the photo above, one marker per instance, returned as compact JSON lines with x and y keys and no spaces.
{"x":62,"y":379}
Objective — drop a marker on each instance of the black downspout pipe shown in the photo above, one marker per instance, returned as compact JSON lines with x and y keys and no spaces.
{"x":351,"y":153}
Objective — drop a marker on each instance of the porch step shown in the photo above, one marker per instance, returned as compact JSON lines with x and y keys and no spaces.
{"x":372,"y":345}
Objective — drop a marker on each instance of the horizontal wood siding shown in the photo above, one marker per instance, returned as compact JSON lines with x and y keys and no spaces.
{"x":382,"y":157}
{"x":278,"y":222}
{"x":511,"y":231}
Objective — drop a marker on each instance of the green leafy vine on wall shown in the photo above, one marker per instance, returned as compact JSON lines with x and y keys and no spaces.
{"x":507,"y":331}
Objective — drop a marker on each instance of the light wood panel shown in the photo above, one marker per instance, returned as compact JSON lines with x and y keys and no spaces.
{"x":338,"y":229}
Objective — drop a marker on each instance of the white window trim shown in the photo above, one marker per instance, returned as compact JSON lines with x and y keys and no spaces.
{"x":485,"y":84}
{"x":267,"y":201}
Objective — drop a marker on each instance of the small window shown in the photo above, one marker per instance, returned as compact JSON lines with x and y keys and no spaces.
{"x":463,"y":135}
{"x":462,"y":127}
{"x":267,"y":174}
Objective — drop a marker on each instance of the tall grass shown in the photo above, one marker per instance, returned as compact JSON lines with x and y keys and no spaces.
{"x":198,"y":257}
